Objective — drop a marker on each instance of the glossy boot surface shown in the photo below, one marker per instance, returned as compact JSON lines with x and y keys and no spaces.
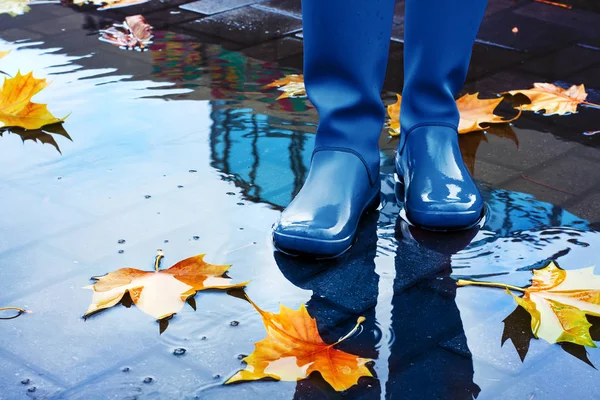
{"x":346,"y":45}
{"x":438,"y":191}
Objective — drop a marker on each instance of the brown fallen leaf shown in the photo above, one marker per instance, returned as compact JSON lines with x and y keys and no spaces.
{"x":159,"y":293}
{"x":558,"y":302}
{"x":16,"y":108}
{"x":293,"y":349}
{"x":291,"y":86}
{"x":553,"y":99}
{"x":134,"y":32}
{"x":473,"y":113}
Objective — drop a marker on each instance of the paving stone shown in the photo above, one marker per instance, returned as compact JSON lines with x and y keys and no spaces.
{"x":534,"y":36}
{"x":50,"y":12}
{"x":70,"y":23}
{"x":292,"y":7}
{"x":495,"y":6}
{"x":18,"y":381}
{"x":487,"y":60}
{"x":399,"y":11}
{"x":558,"y":173}
{"x":247,"y":25}
{"x":14,"y":34}
{"x":275,"y":50}
{"x":166,"y":18}
{"x":564,"y":63}
{"x":171,"y":378}
{"x":587,"y":207}
{"x":584,"y":22}
{"x":210,"y":7}
{"x":534,"y":382}
{"x":541,"y":193}
{"x":149,"y":7}
{"x":398,"y":32}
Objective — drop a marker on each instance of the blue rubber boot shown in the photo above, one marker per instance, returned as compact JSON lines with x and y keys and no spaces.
{"x":346,"y":44}
{"x":438,"y":192}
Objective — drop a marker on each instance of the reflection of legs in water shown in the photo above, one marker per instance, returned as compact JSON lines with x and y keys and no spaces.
{"x":429,"y":357}
{"x":343,"y":290}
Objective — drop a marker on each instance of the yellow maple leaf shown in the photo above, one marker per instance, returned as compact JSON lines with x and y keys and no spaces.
{"x":553,"y":99}
{"x":290,"y":85}
{"x":159,"y":293}
{"x":16,"y":108}
{"x":473,"y":113}
{"x":4,"y":54}
{"x":14,"y":7}
{"x":293,"y":349}
{"x":558,"y":302}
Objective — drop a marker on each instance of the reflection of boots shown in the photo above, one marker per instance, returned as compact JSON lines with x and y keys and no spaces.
{"x":346,"y":45}
{"x":438,"y":191}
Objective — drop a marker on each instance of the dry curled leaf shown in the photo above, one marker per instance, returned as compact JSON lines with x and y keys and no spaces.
{"x":290,"y":85}
{"x":134,"y":32}
{"x":16,"y":108}
{"x":553,"y":99}
{"x":558,"y":302}
{"x":159,"y":293}
{"x":293,"y":349}
{"x":474,"y":113}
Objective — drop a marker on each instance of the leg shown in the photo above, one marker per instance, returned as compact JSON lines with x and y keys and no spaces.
{"x":438,"y":193}
{"x":346,"y":44}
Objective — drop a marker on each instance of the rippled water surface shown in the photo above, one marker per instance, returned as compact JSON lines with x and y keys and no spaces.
{"x":178,"y":148}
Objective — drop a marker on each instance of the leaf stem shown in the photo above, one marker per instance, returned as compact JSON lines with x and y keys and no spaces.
{"x":19,"y":309}
{"x":158,"y":259}
{"x":359,"y":321}
{"x":590,"y":104}
{"x":463,"y":282}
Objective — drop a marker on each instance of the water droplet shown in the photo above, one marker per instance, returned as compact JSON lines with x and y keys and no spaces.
{"x":241,"y":229}
{"x":195,"y":237}
{"x":166,"y":241}
{"x":31,"y":389}
{"x":253,"y":242}
{"x":234,"y":323}
{"x":192,"y":171}
{"x":179,"y":351}
{"x":240,"y":204}
{"x":179,"y":186}
{"x":121,"y":251}
{"x":203,"y":338}
{"x":230,"y":193}
{"x":241,"y":356}
{"x":59,"y":178}
{"x":125,"y":369}
{"x":147,"y":379}
{"x":26,"y":381}
{"x":147,"y":196}
{"x":216,"y":376}
{"x":121,"y":241}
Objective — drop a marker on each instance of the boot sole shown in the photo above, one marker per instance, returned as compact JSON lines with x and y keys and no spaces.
{"x":479,"y":220}
{"x":320,"y":249}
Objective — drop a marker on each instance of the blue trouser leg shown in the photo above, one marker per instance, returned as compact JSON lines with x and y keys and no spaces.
{"x":438,"y":191}
{"x":346,"y":45}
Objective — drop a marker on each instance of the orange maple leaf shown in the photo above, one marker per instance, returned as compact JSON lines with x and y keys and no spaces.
{"x":473,"y":113}
{"x":553,"y":99}
{"x":290,"y":85}
{"x":159,"y":293}
{"x":293,"y":349}
{"x":16,"y":108}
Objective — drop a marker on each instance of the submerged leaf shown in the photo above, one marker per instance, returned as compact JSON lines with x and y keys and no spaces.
{"x":16,"y":108}
{"x":553,"y":99}
{"x":473,"y":113}
{"x":159,"y":293}
{"x":134,"y":32}
{"x":293,"y":349}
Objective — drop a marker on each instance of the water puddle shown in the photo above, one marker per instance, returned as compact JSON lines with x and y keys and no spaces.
{"x":179,"y":148}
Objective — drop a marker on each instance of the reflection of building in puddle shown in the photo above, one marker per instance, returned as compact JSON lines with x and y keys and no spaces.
{"x":268,"y":162}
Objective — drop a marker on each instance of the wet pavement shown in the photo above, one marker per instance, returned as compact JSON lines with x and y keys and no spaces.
{"x":179,"y":148}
